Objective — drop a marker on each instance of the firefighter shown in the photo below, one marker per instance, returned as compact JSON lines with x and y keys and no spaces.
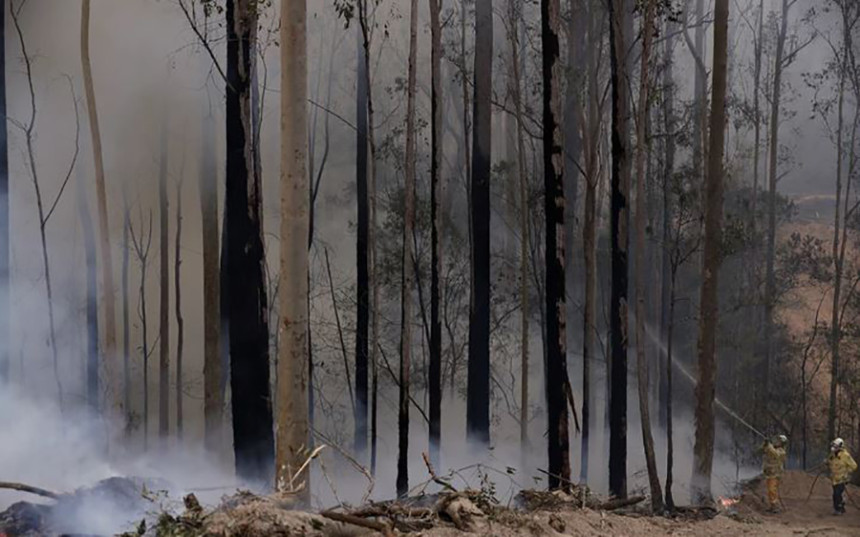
{"x":841,"y":466}
{"x":773,"y":466}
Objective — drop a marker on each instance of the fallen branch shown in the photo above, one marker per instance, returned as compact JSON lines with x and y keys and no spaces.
{"x":353,"y":462}
{"x":436,"y":479}
{"x":393,"y":510}
{"x":21,"y":487}
{"x":612,"y":505}
{"x":567,"y":481}
{"x":357,"y":521}
{"x":312,"y":456}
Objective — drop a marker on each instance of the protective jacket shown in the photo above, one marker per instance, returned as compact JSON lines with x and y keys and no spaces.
{"x":773,"y":460}
{"x":841,"y":465}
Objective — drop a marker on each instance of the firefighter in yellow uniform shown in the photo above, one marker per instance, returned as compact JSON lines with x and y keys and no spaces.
{"x":773,"y":466}
{"x":841,"y":466}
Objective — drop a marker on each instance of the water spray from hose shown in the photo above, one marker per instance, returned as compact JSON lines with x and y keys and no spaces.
{"x":649,"y":330}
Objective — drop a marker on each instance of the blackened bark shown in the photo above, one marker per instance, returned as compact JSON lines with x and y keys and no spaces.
{"x":558,"y":440}
{"x":362,"y":255}
{"x":703,"y":449}
{"x":573,"y":147}
{"x":670,"y":446}
{"x":667,"y":278}
{"x":478,"y":392}
{"x":5,"y":310}
{"x":164,"y":287}
{"x":366,"y":32}
{"x":589,"y":231}
{"x":618,"y":323}
{"x":253,"y":437}
{"x":437,"y":196}
{"x":180,"y":322}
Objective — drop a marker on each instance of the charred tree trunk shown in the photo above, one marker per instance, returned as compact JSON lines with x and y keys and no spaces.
{"x":164,"y":292}
{"x":365,"y":26}
{"x":573,"y":147}
{"x":437,"y":196}
{"x":558,"y":440}
{"x":180,"y":322}
{"x":109,"y":351}
{"x":478,"y":392}
{"x":5,"y":248}
{"x":363,"y":257}
{"x":619,"y":42}
{"x":213,"y":372}
{"x":670,"y":446}
{"x":293,"y":292}
{"x":467,"y":131}
{"x":253,"y":440}
{"x":703,"y":450}
{"x":642,"y":366}
{"x":666,"y":225}
{"x":667,"y":293}
{"x":589,"y":235}
{"x":407,"y":263}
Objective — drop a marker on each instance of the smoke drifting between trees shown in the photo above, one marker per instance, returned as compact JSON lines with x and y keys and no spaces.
{"x":494,"y":220}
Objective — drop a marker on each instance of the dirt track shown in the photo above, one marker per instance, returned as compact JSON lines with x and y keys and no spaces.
{"x":800,"y":518}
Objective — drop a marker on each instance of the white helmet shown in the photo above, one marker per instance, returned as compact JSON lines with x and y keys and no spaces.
{"x":782,"y":439}
{"x":837,"y":444}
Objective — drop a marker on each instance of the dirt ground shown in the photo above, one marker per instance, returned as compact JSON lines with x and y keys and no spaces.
{"x":540,"y":514}
{"x":800,"y":518}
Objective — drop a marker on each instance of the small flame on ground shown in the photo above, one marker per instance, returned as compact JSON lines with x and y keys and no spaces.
{"x":728,"y":502}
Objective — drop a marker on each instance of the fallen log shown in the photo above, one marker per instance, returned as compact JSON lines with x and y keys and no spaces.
{"x":392,"y":511}
{"x":358,"y":521}
{"x":21,"y":487}
{"x":612,"y":505}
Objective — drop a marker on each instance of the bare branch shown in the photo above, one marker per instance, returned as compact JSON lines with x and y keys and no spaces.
{"x":204,"y":41}
{"x":74,"y":156}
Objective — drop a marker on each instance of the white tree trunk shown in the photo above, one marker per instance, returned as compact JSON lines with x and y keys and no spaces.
{"x":109,"y":350}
